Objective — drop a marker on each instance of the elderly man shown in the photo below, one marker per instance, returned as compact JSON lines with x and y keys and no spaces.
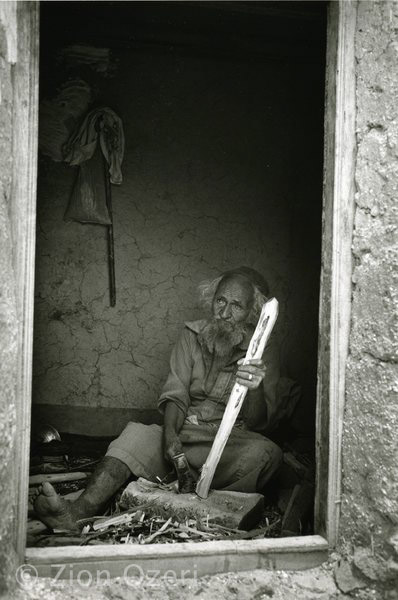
{"x":205,"y":363}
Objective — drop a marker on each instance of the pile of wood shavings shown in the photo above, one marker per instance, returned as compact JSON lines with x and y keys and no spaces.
{"x":134,"y":526}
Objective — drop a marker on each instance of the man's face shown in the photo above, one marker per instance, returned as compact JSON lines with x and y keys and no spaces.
{"x":232,"y":302}
{"x":231,"y":307}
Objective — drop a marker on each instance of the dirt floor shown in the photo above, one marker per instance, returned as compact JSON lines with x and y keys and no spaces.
{"x":359,"y":577}
{"x":287,"y":510}
{"x":312,"y":584}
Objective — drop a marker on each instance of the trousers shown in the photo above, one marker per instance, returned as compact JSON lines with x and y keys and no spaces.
{"x":247,"y":462}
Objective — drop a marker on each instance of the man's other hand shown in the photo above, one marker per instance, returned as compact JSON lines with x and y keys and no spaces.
{"x":172,"y":445}
{"x":251,"y":373}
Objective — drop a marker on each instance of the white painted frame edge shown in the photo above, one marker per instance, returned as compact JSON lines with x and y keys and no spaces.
{"x":340,"y":166}
{"x":196,"y":559}
{"x":23,"y":219}
{"x":343,"y":223}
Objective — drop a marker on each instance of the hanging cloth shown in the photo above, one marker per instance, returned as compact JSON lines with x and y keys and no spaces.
{"x":102,"y":123}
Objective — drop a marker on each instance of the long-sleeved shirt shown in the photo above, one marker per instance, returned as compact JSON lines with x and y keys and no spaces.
{"x":202,"y":394}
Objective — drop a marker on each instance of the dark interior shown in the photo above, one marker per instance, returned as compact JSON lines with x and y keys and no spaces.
{"x":222,"y":110}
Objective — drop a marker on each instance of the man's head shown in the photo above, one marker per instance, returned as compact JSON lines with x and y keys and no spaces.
{"x":235,"y":300}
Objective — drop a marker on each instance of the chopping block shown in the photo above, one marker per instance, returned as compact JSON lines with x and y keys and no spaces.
{"x":236,"y":510}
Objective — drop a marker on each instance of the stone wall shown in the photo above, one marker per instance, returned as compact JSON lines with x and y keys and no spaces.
{"x":370,"y":443}
{"x":221,"y":169}
{"x":8,"y":312}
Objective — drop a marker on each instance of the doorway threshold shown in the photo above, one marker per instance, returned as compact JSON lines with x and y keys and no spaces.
{"x":183,"y":560}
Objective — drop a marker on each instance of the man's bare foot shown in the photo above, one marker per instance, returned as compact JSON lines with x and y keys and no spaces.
{"x":52,"y":510}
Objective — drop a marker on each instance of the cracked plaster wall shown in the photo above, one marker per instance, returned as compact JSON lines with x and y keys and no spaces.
{"x":370,"y":443}
{"x":221,"y":169}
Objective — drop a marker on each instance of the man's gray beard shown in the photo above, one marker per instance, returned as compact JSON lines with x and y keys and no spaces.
{"x":221,"y":337}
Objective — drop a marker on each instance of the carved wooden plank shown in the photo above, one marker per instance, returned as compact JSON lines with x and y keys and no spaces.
{"x":255,"y":350}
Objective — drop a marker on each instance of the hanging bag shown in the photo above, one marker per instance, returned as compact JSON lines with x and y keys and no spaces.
{"x":88,"y":201}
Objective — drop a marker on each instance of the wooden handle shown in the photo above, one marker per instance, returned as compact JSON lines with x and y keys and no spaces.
{"x":256,"y":347}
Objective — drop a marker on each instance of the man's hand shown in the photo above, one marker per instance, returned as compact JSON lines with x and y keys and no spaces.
{"x":251,"y":373}
{"x":173,"y":421}
{"x":171,"y":444}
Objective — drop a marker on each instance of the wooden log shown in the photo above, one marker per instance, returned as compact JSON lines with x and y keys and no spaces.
{"x":232,"y":509}
{"x":255,"y":350}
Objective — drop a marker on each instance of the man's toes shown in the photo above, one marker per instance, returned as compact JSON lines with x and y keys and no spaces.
{"x":47,"y":489}
{"x":35,"y":492}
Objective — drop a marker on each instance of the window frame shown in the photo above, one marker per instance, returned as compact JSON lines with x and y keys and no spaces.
{"x":334,"y":324}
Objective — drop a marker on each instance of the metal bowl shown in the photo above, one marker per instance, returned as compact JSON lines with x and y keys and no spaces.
{"x":44,"y":434}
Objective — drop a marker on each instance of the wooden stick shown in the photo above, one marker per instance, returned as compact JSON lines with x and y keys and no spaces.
{"x":256,"y":347}
{"x":163,"y":528}
{"x":118,"y":520}
{"x":56,"y":477}
{"x":111,"y":247}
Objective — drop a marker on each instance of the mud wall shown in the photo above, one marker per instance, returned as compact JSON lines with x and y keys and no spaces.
{"x":221,"y":169}
{"x":370,"y":444}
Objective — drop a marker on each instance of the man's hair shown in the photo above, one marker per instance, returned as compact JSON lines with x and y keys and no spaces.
{"x":208,"y":288}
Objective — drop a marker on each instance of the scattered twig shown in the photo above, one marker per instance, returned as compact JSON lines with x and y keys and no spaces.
{"x":149,"y":539}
